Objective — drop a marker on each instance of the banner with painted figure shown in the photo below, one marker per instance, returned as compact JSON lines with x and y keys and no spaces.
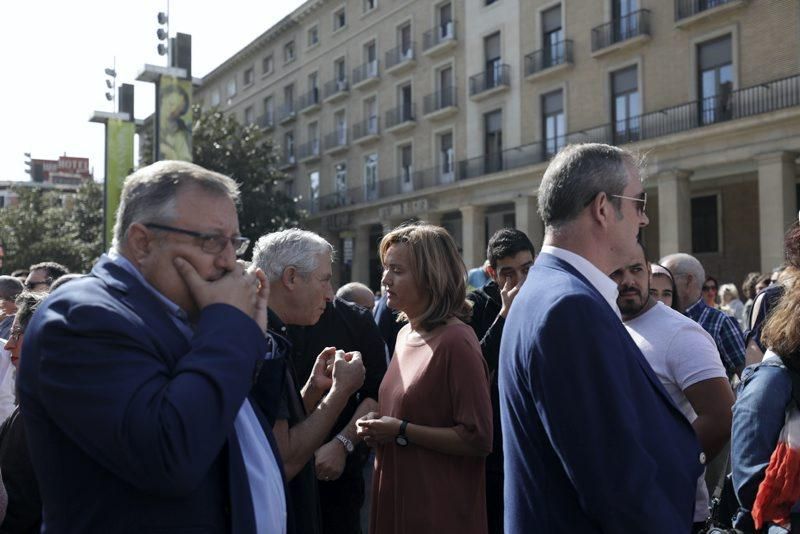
{"x":119,"y":164}
{"x":174,"y":119}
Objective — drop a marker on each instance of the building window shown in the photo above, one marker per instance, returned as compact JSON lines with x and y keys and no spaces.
{"x":288,"y":146}
{"x":552,"y":37}
{"x":625,"y":22}
{"x":715,"y":79}
{"x":340,"y":71}
{"x":231,"y":87}
{"x":553,"y":127}
{"x":313,"y":190}
{"x":406,"y":168}
{"x":493,"y":141}
{"x":249,"y":115}
{"x":340,"y":124}
{"x":288,"y":188}
{"x":371,"y":114}
{"x":705,"y":221}
{"x":371,"y":58}
{"x":491,"y":51}
{"x":404,"y":41}
{"x":340,"y":182}
{"x":313,"y":36}
{"x":369,"y":5}
{"x":339,"y":19}
{"x":267,"y":65}
{"x":447,"y":161}
{"x":288,"y":52}
{"x":248,"y":76}
{"x":269,"y":110}
{"x":371,"y":176}
{"x":626,"y":105}
{"x":445,"y":14}
{"x":215,"y":99}
{"x":313,"y":137}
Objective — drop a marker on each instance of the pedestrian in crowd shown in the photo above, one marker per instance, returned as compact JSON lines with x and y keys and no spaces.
{"x":710,"y":291}
{"x":10,"y":288}
{"x":731,"y":304}
{"x":134,"y":379}
{"x":765,"y":301}
{"x":764,"y":396}
{"x":763,"y":282}
{"x":478,"y":276}
{"x":24,"y":514}
{"x":357,"y":293}
{"x":510,"y":255}
{"x":689,"y":276}
{"x":20,"y":274}
{"x":298,"y":265}
{"x":340,"y":460}
{"x":686,"y":361}
{"x":580,"y":456}
{"x":389,"y":323}
{"x":433,"y":427}
{"x":662,"y":287}
{"x":749,"y":293}
{"x":42,"y":275}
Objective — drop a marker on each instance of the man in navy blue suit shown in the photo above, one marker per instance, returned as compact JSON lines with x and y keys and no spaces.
{"x":134,"y":379}
{"x":592,"y":441}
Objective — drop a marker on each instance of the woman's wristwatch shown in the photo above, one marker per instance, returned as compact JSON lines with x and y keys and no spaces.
{"x":401,"y":438}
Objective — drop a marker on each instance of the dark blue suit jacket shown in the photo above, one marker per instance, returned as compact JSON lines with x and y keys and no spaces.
{"x":129,"y":424}
{"x":592,"y":441}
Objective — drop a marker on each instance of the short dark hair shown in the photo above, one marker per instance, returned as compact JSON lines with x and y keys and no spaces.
{"x":54,"y":270}
{"x":27,"y":303}
{"x":10,"y":287}
{"x":507,"y":242}
{"x":20,"y":273}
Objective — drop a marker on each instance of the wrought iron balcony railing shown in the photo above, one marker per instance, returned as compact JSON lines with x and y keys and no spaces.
{"x":559,"y":53}
{"x":621,"y":29}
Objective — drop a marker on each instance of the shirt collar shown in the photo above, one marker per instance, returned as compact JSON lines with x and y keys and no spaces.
{"x":697,"y":306}
{"x":601,"y":281}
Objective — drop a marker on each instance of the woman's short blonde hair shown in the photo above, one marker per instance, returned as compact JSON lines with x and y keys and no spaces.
{"x":437,"y":269}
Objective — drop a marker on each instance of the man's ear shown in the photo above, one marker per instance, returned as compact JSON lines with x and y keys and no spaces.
{"x":601,"y":209}
{"x":288,"y":277}
{"x":491,"y":272}
{"x":139,"y":242}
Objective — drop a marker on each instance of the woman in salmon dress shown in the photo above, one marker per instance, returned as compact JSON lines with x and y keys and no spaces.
{"x":433,"y":429}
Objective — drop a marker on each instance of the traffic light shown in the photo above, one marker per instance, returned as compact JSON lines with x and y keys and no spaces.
{"x":163,"y":33}
{"x":111,"y":81}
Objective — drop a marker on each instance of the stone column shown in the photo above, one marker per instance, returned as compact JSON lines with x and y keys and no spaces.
{"x":674,"y":212}
{"x":361,"y":255}
{"x":777,"y":207}
{"x":528,"y":220}
{"x":473,"y":225}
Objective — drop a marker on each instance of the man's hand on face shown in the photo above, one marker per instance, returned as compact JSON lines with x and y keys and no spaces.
{"x":236,"y":288}
{"x":348,"y":371}
{"x":508,"y":293}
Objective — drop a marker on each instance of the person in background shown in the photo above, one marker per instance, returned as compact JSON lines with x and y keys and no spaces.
{"x":10,"y":287}
{"x":357,"y":293}
{"x":42,"y":275}
{"x":478,"y":276}
{"x":749,"y":293}
{"x":433,"y":427}
{"x":731,"y":303}
{"x":20,"y":274}
{"x":662,"y":287}
{"x":710,"y":292}
{"x":24,"y":513}
{"x":510,"y":254}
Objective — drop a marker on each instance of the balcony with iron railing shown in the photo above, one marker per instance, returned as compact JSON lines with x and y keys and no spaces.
{"x":401,"y":117}
{"x":367,"y":130}
{"x":439,"y":39}
{"x":309,"y":151}
{"x":366,"y":75}
{"x":766,"y":97}
{"x":287,"y":112}
{"x":441,"y":104}
{"x":266,"y":121}
{"x":401,"y":58}
{"x":621,"y":33}
{"x":494,"y":79}
{"x":690,"y":11}
{"x":548,"y":60}
{"x":336,"y":141}
{"x":310,"y":101}
{"x":336,"y":89}
{"x":287,"y":161}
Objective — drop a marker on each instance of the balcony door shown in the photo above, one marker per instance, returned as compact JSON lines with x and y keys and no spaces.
{"x":625,"y":24}
{"x":371,"y":177}
{"x":491,"y":51}
{"x":552,"y":37}
{"x":626,"y":105}
{"x":493,"y":141}
{"x":406,"y":169}
{"x":715,"y":77}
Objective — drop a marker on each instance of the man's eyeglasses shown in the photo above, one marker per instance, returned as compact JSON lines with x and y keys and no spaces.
{"x":641,"y":198}
{"x":31,"y":286}
{"x":210,"y":243}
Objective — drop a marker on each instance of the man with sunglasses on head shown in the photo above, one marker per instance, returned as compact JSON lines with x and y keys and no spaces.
{"x":134,"y":379}
{"x":42,"y":275}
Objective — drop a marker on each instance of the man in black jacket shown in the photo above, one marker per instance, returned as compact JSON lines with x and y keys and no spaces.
{"x":510,"y":254}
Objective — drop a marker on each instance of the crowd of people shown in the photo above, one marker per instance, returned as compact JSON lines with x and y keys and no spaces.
{"x":177,"y":387}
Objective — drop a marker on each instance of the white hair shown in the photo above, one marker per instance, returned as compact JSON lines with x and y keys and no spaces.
{"x":728,"y":289}
{"x":683,"y":264}
{"x":300,"y":249}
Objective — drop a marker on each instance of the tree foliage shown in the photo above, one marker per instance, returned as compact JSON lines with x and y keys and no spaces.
{"x":220,"y":143}
{"x":39,"y":228}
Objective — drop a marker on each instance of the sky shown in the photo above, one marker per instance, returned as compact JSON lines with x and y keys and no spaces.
{"x":55,"y":54}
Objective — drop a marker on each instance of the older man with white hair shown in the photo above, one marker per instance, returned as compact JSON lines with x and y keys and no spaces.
{"x":689,"y":277}
{"x":298,"y":266}
{"x":357,"y":293}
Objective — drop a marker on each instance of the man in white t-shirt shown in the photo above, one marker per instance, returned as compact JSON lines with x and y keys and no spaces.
{"x":685,"y":359}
